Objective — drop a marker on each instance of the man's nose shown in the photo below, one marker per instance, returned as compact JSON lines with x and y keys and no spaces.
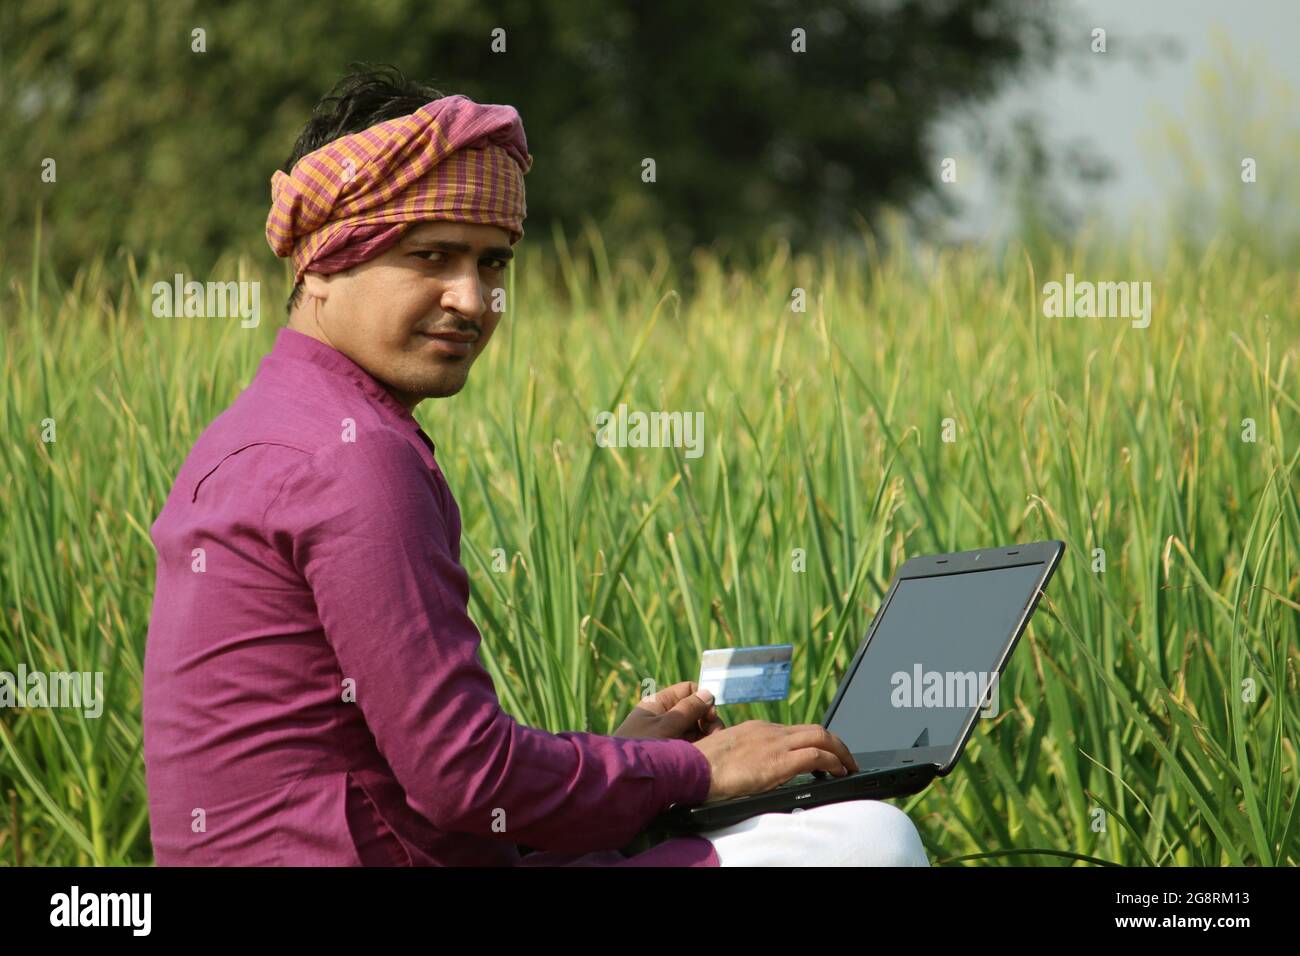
{"x":466,"y":294}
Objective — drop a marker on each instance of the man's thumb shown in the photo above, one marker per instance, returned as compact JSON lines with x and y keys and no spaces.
{"x":691,"y":710}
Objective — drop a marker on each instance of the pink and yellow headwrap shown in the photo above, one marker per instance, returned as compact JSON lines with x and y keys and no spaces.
{"x":452,"y":159}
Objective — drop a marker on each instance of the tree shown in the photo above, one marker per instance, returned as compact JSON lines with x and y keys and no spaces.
{"x":166,"y":120}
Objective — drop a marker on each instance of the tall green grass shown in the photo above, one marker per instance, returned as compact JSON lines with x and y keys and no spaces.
{"x":1123,"y":734}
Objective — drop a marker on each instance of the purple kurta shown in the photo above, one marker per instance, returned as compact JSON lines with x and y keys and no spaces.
{"x":312,"y":689}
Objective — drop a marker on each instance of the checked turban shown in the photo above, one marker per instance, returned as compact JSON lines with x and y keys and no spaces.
{"x":452,"y":159}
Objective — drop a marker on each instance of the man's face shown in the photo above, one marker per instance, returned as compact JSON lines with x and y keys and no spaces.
{"x":417,"y":315}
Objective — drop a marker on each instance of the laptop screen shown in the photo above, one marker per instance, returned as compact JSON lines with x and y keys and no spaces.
{"x":932,"y":659}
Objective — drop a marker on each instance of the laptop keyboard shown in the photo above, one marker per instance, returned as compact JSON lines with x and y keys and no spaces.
{"x":803,"y":779}
{"x":799,"y":781}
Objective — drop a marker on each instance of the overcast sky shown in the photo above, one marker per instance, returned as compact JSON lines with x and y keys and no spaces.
{"x":1109,"y":100}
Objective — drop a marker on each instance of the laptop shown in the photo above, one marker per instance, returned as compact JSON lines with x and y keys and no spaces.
{"x":921,"y":678}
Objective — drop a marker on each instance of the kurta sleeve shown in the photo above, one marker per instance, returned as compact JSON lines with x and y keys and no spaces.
{"x":365,"y":524}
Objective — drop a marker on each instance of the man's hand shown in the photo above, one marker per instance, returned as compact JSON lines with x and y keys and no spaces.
{"x":757,"y":755}
{"x":675,"y":713}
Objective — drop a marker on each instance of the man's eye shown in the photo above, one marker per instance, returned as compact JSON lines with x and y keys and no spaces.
{"x":494,"y":263}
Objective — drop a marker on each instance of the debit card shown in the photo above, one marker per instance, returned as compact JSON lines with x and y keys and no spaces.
{"x":740,"y":675}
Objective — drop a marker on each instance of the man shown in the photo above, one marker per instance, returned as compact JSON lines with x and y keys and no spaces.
{"x":312,"y":690}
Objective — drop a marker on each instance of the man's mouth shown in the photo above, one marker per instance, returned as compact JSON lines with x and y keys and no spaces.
{"x":452,"y":343}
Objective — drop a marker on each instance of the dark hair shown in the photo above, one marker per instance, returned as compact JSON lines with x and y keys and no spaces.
{"x":366,"y":96}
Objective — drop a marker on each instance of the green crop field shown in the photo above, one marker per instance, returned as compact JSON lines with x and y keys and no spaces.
{"x":920,"y":402}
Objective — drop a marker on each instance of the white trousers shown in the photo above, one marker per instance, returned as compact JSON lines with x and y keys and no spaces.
{"x":849,"y":833}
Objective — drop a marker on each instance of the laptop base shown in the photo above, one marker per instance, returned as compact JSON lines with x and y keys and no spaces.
{"x":869,"y":785}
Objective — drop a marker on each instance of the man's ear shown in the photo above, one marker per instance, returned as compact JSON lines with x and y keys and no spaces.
{"x":316,"y":285}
